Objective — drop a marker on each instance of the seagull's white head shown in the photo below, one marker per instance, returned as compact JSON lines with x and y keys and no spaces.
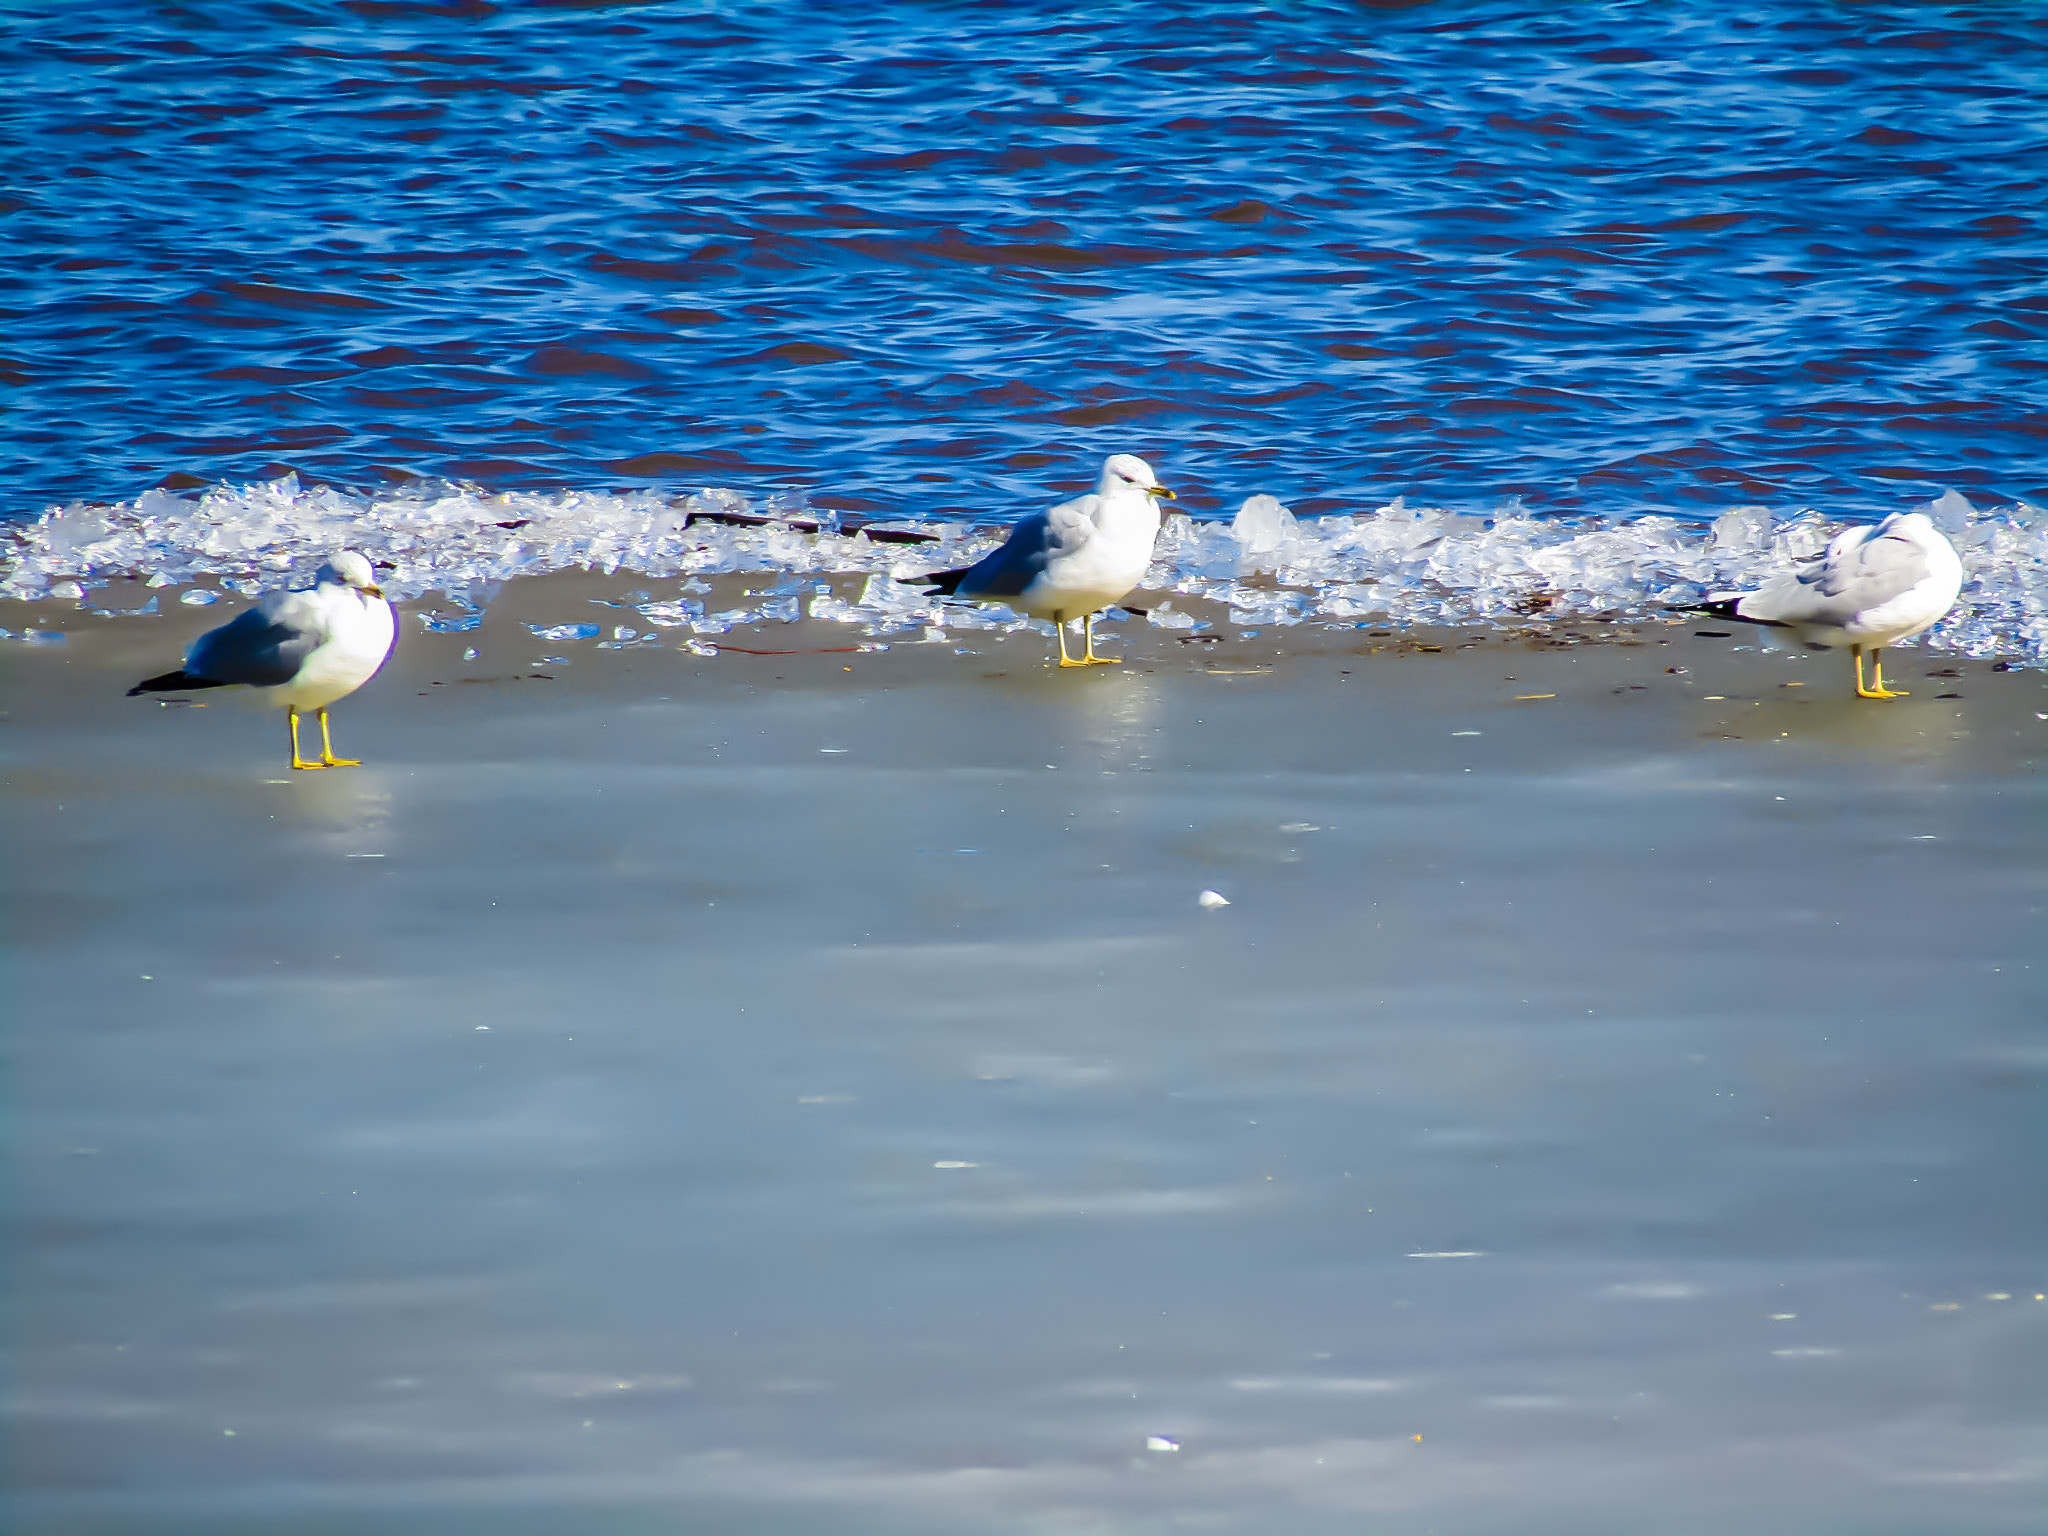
{"x":349,"y":569}
{"x":1129,"y":469}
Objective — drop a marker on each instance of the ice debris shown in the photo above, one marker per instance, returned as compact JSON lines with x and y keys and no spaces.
{"x":1395,"y":565}
{"x":1263,"y":525}
{"x":1209,"y":901}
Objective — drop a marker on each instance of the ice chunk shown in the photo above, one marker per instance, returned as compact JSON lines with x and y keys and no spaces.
{"x":1951,"y":512}
{"x":1262,"y":524}
{"x":835,"y":611}
{"x":1742,"y":528}
{"x":1209,"y":901}
{"x":199,"y":597}
{"x":671,"y":615}
{"x":565,"y":631}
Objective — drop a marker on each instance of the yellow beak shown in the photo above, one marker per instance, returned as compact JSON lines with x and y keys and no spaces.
{"x":1160,"y":490}
{"x":374,"y":591}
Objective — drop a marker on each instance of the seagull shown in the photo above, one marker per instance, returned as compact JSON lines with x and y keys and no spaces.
{"x":303,"y":649}
{"x":1072,"y":560}
{"x":1873,"y":585}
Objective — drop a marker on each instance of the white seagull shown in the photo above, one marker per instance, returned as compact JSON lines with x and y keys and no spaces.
{"x":1873,"y":585}
{"x":1071,"y":560}
{"x":301,"y":649}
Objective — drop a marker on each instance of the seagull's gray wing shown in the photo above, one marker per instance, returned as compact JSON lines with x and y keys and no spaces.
{"x":1033,"y":543}
{"x":1863,"y":569}
{"x":264,"y":647}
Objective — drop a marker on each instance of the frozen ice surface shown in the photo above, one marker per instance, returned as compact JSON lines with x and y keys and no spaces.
{"x":1397,"y":564}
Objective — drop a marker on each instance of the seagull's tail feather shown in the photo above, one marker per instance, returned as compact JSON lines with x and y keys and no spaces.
{"x":1725,"y":608}
{"x":174,"y":682}
{"x":947,"y":582}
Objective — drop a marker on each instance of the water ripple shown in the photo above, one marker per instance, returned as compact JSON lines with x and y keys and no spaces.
{"x":1614,"y":257}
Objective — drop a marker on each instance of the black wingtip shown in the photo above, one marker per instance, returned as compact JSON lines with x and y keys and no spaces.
{"x":173,"y":682}
{"x":1726,"y":609}
{"x":947,"y":582}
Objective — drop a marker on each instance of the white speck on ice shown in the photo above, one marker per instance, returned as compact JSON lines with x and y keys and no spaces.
{"x":1209,"y":901}
{"x":951,"y":1164}
{"x":1160,"y":1443}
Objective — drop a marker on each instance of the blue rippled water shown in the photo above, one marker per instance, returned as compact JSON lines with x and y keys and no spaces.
{"x":924,"y":259}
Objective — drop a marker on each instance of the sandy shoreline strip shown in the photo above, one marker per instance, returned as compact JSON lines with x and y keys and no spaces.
{"x":1670,"y":681}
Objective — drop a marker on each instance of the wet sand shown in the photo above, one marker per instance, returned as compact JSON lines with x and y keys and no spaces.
{"x":802,"y":1093}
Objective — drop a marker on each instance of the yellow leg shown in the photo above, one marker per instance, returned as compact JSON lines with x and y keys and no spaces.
{"x":292,"y":715}
{"x":1089,"y":656}
{"x":327,"y":757}
{"x":1877,"y":689}
{"x":1060,"y":628}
